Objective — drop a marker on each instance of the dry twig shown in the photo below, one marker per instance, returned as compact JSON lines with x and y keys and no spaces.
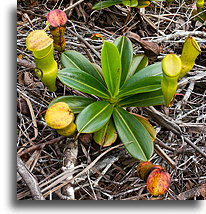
{"x":29,"y":180}
{"x":170,"y":125}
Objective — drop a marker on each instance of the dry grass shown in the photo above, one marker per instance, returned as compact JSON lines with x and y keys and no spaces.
{"x":110,"y":173}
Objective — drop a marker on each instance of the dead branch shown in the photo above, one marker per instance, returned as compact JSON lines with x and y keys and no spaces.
{"x":194,"y":192}
{"x":69,"y":161}
{"x":29,"y":180}
{"x":82,"y":172}
{"x":73,"y":5}
{"x":162,"y":154}
{"x":41,"y":146}
{"x":25,"y":63}
{"x":85,"y":42}
{"x":168,"y":123}
{"x":180,"y":34}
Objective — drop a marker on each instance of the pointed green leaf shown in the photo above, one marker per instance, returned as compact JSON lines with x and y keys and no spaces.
{"x":98,"y":68}
{"x":144,"y":99}
{"x":151,"y":70}
{"x":104,"y":4}
{"x":139,"y":62}
{"x":124,"y":46}
{"x":144,"y":121}
{"x":133,"y":134}
{"x":141,"y":86}
{"x":76,"y":103}
{"x":82,"y":81}
{"x":94,"y":117}
{"x":107,"y":135}
{"x":111,"y":67}
{"x":74,"y":59}
{"x":148,"y":79}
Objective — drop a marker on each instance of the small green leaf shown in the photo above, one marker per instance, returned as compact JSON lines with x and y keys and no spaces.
{"x":82,"y":81}
{"x":133,"y":134}
{"x":74,"y":59}
{"x":130,"y":3}
{"x":104,"y":4}
{"x":148,"y":79}
{"x":111,"y":67}
{"x":94,"y":117}
{"x":144,"y":99}
{"x":107,"y":135}
{"x":124,"y":46}
{"x":139,"y":62}
{"x":151,"y":70}
{"x":76,"y":103}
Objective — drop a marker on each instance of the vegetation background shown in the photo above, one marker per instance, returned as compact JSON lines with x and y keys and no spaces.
{"x":119,"y":181}
{"x":8,"y":147}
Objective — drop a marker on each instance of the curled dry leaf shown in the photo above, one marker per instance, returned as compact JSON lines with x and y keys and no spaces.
{"x":23,"y":106}
{"x":97,"y":36}
{"x":202,"y":190}
{"x":151,"y":49}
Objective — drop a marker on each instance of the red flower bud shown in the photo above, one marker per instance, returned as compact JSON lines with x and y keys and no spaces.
{"x":156,"y":178}
{"x":57,"y":18}
{"x":158,"y":182}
